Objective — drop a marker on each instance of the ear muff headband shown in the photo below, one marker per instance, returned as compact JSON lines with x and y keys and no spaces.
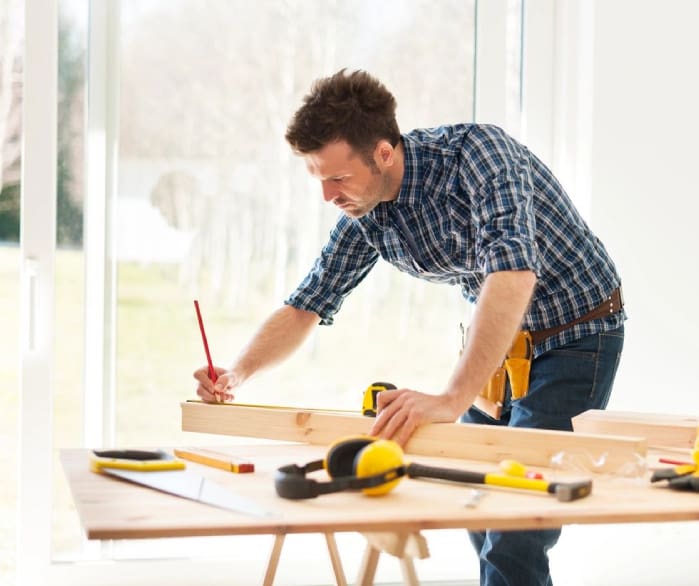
{"x":360,"y":463}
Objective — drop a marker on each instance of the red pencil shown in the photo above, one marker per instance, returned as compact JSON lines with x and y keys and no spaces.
{"x":212,"y":372}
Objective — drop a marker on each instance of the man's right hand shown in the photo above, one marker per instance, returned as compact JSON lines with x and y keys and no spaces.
{"x":281,"y":333}
{"x":222,"y":391}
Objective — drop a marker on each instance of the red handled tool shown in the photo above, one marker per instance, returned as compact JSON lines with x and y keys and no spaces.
{"x":684,"y":476}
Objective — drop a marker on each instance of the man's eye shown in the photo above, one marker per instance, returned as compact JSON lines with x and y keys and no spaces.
{"x":338,"y":179}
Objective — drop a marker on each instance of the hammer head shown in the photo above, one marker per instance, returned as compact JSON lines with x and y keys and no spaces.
{"x":572,"y":491}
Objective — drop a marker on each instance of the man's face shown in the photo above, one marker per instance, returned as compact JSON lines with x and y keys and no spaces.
{"x":347,"y":179}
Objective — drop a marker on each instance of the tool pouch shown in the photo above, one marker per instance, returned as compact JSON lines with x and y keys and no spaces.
{"x":518,"y":364}
{"x":518,"y":373}
{"x":491,"y":398}
{"x":516,"y":367}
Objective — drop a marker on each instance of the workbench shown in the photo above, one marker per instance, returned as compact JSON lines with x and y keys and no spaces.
{"x":113,"y":509}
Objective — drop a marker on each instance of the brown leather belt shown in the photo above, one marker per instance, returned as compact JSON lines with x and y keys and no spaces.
{"x":611,"y":305}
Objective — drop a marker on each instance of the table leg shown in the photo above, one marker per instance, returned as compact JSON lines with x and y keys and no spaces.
{"x":274,"y":559}
{"x":367,"y":571}
{"x":335,"y":559}
{"x":408,"y":570}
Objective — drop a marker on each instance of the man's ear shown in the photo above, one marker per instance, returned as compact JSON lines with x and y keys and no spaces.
{"x":384,"y":154}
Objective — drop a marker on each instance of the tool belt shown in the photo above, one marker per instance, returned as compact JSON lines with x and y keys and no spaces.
{"x":517,"y":363}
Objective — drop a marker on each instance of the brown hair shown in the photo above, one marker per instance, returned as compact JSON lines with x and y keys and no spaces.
{"x":354,"y":107}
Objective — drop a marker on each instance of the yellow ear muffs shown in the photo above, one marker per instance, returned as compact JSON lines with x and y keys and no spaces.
{"x":365,"y":463}
{"x":377,"y":458}
{"x":365,"y":456}
{"x":340,"y":459}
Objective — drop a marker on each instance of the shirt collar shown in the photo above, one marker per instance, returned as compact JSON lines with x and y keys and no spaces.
{"x":410,"y":188}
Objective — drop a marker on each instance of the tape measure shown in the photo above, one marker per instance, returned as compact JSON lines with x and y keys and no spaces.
{"x":370,"y":396}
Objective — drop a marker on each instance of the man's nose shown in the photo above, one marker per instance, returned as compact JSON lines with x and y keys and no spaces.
{"x":329,"y":191}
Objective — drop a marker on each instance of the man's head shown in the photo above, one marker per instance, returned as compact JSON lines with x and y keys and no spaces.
{"x":346,"y":130}
{"x":352,"y":107}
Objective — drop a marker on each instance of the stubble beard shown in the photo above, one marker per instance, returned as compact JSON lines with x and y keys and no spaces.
{"x":380,"y":192}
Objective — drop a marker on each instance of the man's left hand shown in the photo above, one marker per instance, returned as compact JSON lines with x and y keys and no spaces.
{"x":402,"y":411}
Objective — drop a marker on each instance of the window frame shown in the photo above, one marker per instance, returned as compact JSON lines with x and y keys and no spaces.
{"x":37,"y":272}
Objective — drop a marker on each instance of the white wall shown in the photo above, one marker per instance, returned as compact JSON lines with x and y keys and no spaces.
{"x":643,"y":204}
{"x":645,"y":187}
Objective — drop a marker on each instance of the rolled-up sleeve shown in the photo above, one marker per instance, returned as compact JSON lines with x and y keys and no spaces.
{"x":343,"y":263}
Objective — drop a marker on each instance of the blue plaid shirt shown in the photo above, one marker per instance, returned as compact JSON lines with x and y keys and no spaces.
{"x":473,"y":201}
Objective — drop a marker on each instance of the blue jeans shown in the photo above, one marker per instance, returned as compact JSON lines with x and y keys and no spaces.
{"x":564,"y":382}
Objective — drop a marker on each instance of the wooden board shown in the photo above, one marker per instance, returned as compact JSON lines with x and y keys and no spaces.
{"x":476,"y":442}
{"x":110,"y":508}
{"x":660,"y":431}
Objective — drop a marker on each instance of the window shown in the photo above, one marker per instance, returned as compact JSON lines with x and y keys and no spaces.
{"x":211,"y":204}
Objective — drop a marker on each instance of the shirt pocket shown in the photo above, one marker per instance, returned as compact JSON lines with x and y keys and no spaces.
{"x":402,"y":259}
{"x":459,"y":241}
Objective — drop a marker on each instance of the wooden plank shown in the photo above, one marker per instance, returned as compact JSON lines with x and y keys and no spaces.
{"x":660,"y":431}
{"x":489,"y":443}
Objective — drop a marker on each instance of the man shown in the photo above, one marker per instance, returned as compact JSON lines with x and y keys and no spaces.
{"x":465,"y":205}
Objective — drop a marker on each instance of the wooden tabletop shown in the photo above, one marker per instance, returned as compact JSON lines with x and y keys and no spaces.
{"x":114,"y":509}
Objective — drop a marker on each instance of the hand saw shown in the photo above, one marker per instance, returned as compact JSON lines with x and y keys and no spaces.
{"x":160,"y":471}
